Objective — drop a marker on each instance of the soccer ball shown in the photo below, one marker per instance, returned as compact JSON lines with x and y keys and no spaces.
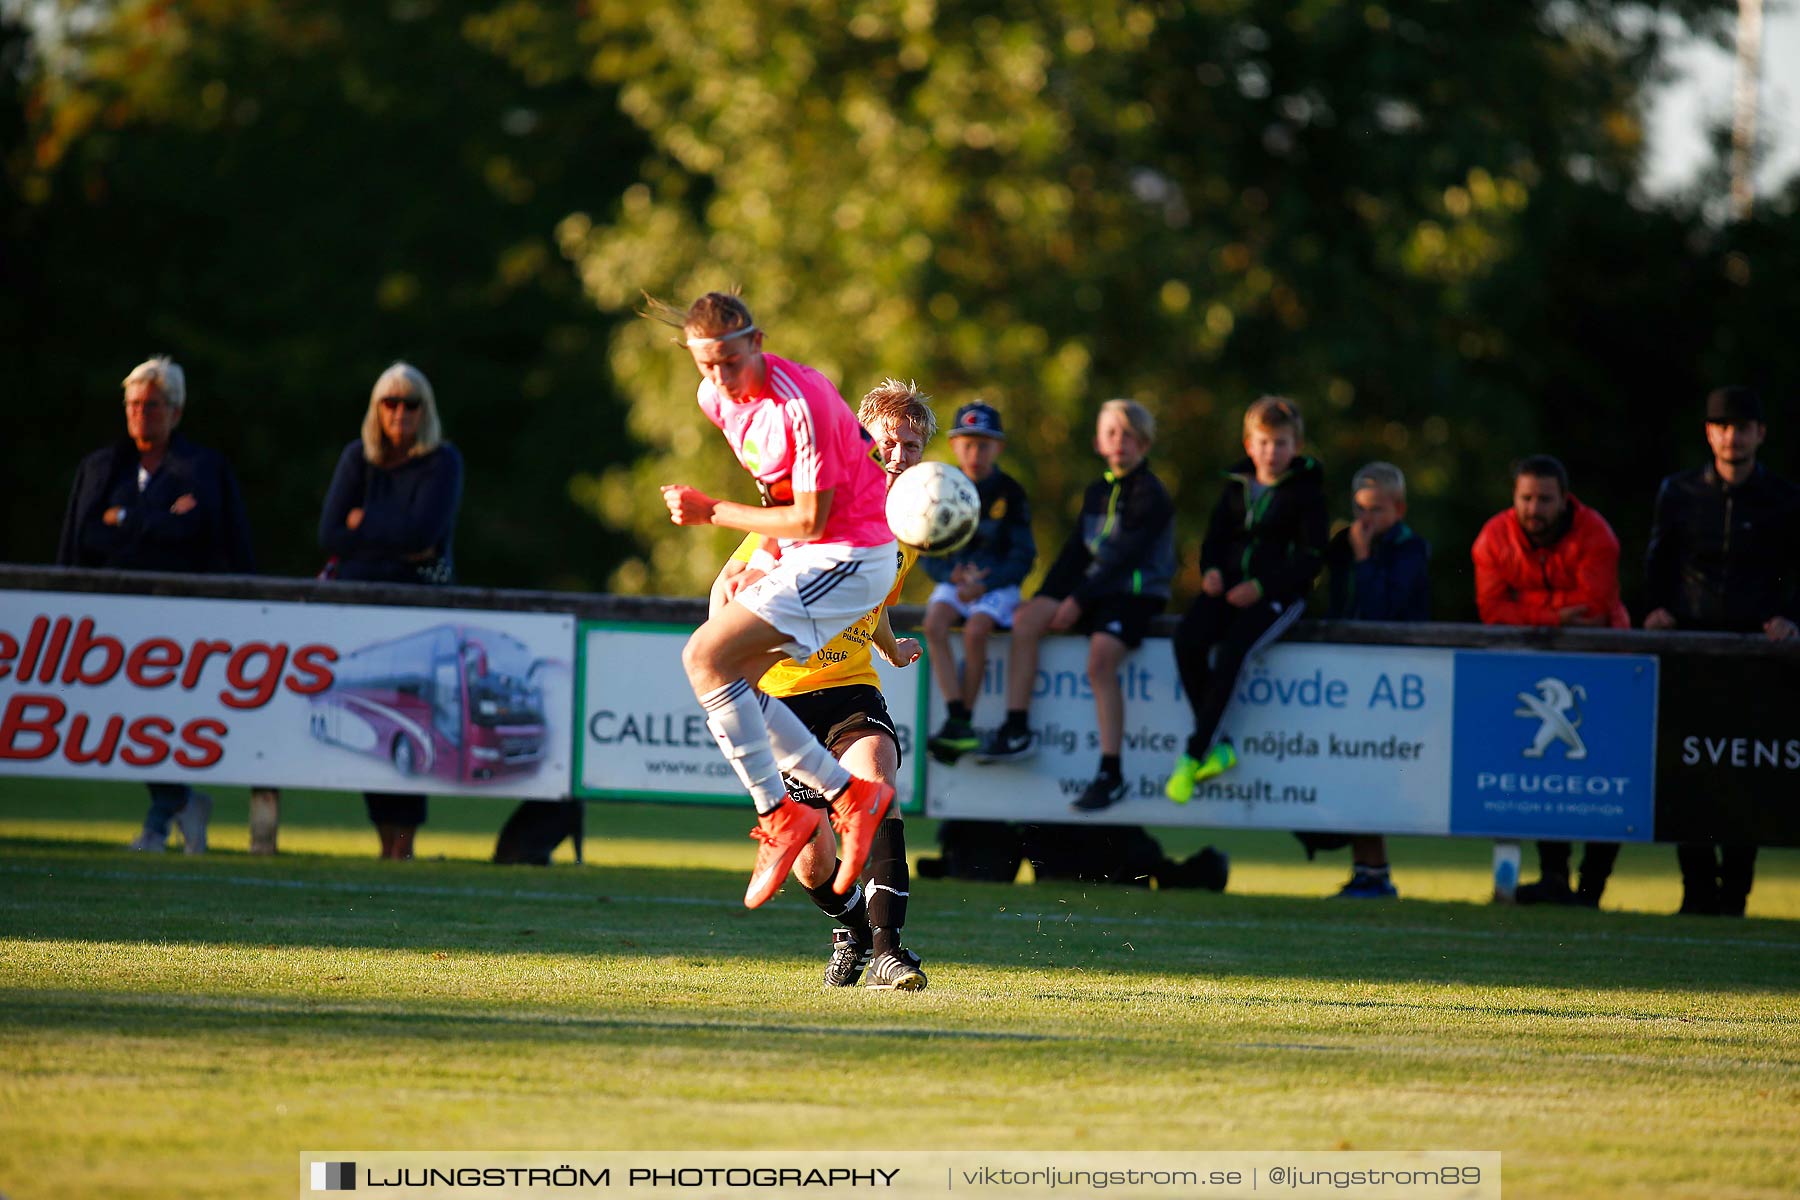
{"x":933,"y":508}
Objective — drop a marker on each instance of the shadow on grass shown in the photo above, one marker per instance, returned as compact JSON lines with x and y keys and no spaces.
{"x":62,"y":891}
{"x":276,"y":1017}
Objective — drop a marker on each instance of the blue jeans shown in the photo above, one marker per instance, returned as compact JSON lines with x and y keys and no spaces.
{"x":166,"y":799}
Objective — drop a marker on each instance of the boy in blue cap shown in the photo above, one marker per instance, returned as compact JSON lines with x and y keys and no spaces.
{"x":979,"y":584}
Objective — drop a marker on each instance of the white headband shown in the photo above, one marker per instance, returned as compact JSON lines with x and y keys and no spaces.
{"x":723,"y":337}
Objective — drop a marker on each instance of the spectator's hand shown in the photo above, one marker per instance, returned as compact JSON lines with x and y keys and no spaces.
{"x":114,"y":515}
{"x":688,"y":506}
{"x":906,"y":652}
{"x":1360,"y":541}
{"x":1244,"y":594}
{"x":1779,"y":629}
{"x":1212,"y":582}
{"x":1661,"y":618}
{"x":353,"y":519}
{"x":742,"y":580}
{"x":1576,"y":614}
{"x":972,"y":586}
{"x":1066,"y":614}
{"x":184,"y":504}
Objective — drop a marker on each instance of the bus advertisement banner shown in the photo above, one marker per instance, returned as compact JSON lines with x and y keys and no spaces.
{"x":643,"y":736}
{"x":337,"y":696}
{"x":1330,"y":738}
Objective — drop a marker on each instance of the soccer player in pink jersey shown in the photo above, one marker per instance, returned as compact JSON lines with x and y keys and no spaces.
{"x":824,"y":499}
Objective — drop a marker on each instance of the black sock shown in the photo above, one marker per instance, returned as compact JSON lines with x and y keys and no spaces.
{"x":959,"y":711}
{"x":1110,"y":766}
{"x":888,"y":885}
{"x":1017,"y":720}
{"x":852,"y":911}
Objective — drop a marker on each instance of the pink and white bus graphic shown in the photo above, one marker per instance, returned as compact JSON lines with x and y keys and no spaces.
{"x":452,"y":702}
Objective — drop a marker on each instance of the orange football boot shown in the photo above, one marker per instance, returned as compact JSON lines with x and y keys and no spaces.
{"x":781,"y":835}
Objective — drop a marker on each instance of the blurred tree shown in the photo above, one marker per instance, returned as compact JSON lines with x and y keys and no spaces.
{"x":1385,"y":212}
{"x":1419,"y":219}
{"x":286,"y":197}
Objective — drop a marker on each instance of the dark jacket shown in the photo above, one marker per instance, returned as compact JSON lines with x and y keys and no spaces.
{"x":1002,"y":544}
{"x":1124,"y":544}
{"x":1725,"y":558}
{"x":1279,"y":539}
{"x":1389,"y":585}
{"x":213,"y":536}
{"x":407,"y":510}
{"x":1520,"y":583}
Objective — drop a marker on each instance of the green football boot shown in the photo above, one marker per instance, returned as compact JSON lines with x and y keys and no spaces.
{"x":1190,"y":771}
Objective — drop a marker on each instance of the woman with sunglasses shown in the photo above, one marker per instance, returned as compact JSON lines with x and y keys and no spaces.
{"x":390,"y":517}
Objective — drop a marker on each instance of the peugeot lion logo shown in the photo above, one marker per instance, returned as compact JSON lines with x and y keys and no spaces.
{"x":1557,"y":706}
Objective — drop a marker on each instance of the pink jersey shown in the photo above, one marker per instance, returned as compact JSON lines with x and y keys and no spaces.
{"x":798,"y":435}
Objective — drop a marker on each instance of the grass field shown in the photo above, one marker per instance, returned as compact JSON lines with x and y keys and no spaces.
{"x":177,"y":1026}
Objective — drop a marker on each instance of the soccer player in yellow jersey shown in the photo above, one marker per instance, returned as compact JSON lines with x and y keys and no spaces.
{"x":837,"y":696}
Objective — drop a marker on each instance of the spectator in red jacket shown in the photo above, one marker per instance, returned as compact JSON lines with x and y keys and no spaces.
{"x":1552,"y":560}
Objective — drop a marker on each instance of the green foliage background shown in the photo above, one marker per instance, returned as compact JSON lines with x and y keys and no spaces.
{"x":1422,"y":220}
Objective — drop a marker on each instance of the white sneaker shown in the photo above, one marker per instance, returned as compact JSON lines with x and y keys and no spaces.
{"x":192,"y":821}
{"x":150,"y":843}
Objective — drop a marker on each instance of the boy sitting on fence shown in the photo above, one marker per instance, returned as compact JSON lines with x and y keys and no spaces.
{"x":978,"y":584}
{"x":1264,"y":546}
{"x":1110,"y":580}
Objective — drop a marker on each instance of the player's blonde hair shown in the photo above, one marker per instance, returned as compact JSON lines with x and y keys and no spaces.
{"x":1274,"y":412}
{"x":891,"y":400}
{"x":1137,"y":418}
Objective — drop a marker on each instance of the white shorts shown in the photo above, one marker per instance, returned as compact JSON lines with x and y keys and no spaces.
{"x":820,"y":589}
{"x":998,"y":604}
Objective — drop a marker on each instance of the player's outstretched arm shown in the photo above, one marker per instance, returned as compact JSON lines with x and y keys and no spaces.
{"x":901,"y":652}
{"x":801,"y":521}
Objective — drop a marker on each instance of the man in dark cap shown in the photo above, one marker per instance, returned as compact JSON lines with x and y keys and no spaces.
{"x":1725,"y":556}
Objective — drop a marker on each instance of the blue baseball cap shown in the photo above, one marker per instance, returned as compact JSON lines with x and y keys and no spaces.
{"x":977,"y":420}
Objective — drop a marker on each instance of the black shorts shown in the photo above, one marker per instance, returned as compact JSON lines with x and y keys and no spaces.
{"x":831,"y":713}
{"x":1123,"y":616}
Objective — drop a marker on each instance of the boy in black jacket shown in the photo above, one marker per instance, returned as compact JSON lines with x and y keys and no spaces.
{"x":1110,"y":580}
{"x":1264,"y":546}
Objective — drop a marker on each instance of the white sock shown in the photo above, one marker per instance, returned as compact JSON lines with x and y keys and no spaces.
{"x":799,"y":753}
{"x":736,"y":721}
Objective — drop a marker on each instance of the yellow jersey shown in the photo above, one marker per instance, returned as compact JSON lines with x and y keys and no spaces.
{"x":848,"y":658}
